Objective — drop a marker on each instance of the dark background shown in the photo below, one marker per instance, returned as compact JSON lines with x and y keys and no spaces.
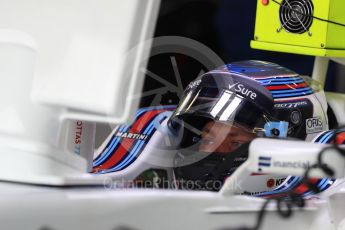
{"x":226,"y":27}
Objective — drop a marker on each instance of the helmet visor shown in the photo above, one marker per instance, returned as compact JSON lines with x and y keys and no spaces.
{"x":222,"y":105}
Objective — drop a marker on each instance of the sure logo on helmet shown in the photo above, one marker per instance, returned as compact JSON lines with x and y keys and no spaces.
{"x":240,"y":88}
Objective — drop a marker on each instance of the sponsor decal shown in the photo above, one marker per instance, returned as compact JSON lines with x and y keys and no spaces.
{"x":77,"y":137}
{"x":274,"y":182}
{"x":268,"y":162}
{"x":290,"y":164}
{"x":240,"y":88}
{"x":265,"y":161}
{"x":135,"y":136}
{"x":296,"y":117}
{"x":270,"y":183}
{"x":253,"y":193}
{"x":314,"y":125}
{"x":279,"y":181}
{"x":193,"y":84}
{"x":78,"y":132}
{"x":289,"y":105}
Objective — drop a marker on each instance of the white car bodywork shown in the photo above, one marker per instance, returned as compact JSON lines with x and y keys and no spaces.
{"x":101,"y":204}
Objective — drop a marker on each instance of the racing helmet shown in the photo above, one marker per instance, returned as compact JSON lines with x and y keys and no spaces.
{"x":223,"y":110}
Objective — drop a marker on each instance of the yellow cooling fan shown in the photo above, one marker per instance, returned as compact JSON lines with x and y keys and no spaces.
{"x":311,"y":27}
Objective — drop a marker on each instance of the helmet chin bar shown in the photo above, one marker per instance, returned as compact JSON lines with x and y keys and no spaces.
{"x":283,"y":157}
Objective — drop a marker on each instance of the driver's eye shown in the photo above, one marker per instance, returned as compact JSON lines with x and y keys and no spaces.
{"x":236,"y":144}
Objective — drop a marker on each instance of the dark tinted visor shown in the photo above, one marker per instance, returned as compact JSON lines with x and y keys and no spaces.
{"x":222,"y":105}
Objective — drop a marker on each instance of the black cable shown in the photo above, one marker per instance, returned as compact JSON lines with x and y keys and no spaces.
{"x":261,"y":215}
{"x":310,"y":16}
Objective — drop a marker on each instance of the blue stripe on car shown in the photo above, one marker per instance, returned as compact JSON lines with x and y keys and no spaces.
{"x":105,"y":155}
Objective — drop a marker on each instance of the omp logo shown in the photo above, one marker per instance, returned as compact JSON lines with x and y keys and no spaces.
{"x":265,"y":161}
{"x":240,"y":88}
{"x":314,"y":125}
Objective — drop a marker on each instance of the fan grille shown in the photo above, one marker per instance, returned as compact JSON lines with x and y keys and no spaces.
{"x":296,"y":15}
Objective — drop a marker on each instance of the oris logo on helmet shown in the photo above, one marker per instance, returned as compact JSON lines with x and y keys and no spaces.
{"x":240,"y":88}
{"x":314,"y":125}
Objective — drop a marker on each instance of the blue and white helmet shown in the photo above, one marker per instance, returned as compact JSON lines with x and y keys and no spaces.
{"x":256,"y":94}
{"x":260,"y":98}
